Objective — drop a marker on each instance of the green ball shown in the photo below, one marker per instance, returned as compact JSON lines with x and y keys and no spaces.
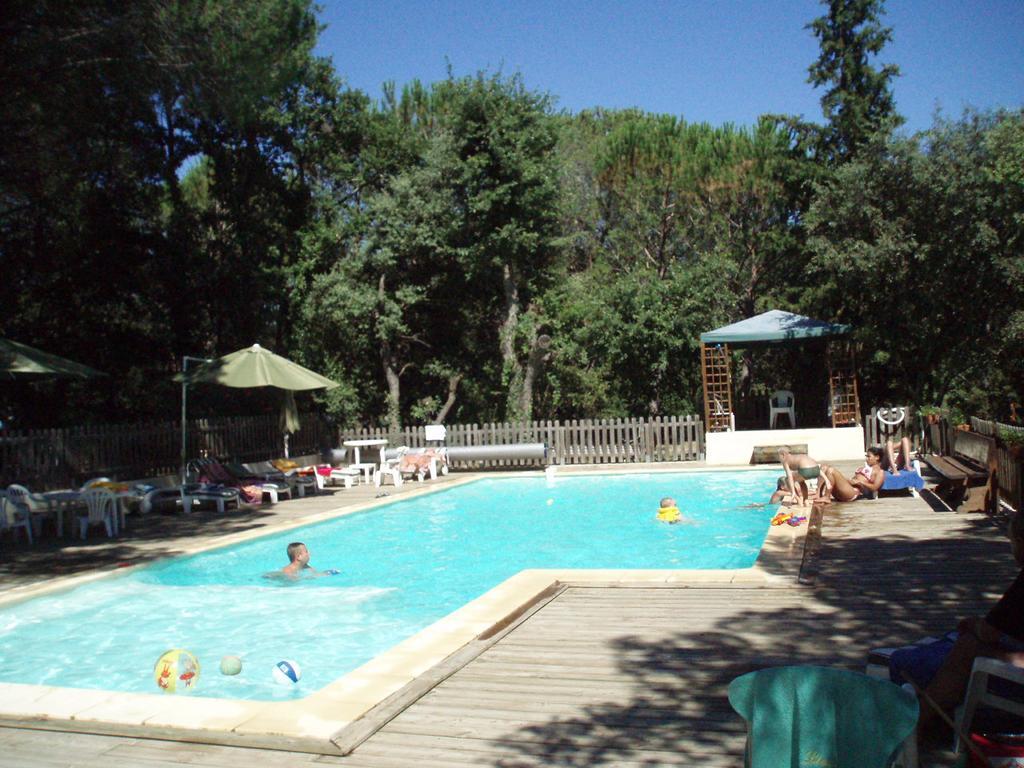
{"x":230,"y":665}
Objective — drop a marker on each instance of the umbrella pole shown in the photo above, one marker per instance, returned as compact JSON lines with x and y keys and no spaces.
{"x":184,"y":410}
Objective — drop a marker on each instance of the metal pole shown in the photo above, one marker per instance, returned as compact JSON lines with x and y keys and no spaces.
{"x":184,"y":397}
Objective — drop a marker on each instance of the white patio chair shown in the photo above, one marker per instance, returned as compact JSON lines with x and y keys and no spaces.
{"x":782,"y":402}
{"x":12,"y":517}
{"x":979,"y":694}
{"x":26,"y":508}
{"x":390,"y":468}
{"x":101,"y":507}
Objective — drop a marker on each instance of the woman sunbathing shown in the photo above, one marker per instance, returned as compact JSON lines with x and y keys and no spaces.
{"x":866,"y":480}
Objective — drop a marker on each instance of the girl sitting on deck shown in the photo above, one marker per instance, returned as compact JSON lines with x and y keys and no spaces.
{"x":866,"y":480}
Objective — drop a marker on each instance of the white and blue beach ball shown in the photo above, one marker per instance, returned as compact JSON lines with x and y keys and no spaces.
{"x":287,"y":672}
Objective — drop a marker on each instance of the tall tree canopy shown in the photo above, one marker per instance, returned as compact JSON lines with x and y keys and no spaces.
{"x":858,"y":100}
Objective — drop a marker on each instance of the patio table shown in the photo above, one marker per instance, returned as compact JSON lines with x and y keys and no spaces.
{"x":367,"y":468}
{"x":58,"y":504}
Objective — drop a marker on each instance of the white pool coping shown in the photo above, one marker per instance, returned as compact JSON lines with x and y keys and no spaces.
{"x":313,"y":723}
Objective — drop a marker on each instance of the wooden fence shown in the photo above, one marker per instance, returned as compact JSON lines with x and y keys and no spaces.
{"x":583,"y":441}
{"x":56,"y":458}
{"x":1011,"y":483}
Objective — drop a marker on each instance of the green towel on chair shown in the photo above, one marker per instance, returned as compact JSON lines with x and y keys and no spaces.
{"x":815,"y":717}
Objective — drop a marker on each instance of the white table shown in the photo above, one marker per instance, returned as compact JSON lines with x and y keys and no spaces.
{"x":367,"y":468}
{"x":69,"y":502}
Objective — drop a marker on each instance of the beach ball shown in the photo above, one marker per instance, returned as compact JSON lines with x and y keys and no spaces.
{"x":177,"y":671}
{"x":287,"y":672}
{"x":230,"y":665}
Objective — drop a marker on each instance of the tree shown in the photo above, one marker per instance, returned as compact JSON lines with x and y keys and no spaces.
{"x":858,"y":100}
{"x":916,"y":242}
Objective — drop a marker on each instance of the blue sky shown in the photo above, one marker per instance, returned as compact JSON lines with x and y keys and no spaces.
{"x":705,"y":60}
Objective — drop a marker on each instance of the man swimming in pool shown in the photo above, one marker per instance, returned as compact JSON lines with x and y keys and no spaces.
{"x":802,"y":465}
{"x":298,"y":564}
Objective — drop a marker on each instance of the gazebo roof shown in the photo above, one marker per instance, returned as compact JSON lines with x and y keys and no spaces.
{"x":774,"y":327}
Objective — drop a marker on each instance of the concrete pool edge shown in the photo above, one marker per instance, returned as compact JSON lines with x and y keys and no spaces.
{"x":315,"y":723}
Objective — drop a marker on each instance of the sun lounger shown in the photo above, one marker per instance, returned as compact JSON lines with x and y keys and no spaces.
{"x":212,"y":473}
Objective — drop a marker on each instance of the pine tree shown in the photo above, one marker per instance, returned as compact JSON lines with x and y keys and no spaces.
{"x":859,"y":100}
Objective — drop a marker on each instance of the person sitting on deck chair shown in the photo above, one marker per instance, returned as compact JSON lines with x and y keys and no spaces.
{"x":803,"y":465}
{"x":943,"y":668}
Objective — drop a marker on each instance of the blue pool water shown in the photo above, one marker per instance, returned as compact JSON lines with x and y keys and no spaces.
{"x":403,"y":566}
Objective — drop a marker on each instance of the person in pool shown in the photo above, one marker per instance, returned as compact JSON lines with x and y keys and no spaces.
{"x":783,"y":496}
{"x":802,"y":465}
{"x":668,"y":512}
{"x":298,"y":564}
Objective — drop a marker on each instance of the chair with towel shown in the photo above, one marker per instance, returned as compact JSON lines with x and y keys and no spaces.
{"x":805,"y":715}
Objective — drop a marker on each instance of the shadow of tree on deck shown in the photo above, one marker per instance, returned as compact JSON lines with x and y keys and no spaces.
{"x":870,"y":592}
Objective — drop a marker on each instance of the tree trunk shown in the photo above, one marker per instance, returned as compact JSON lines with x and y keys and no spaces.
{"x":453,"y":385}
{"x":392,"y":374}
{"x":512,"y":370}
{"x":538,"y":356}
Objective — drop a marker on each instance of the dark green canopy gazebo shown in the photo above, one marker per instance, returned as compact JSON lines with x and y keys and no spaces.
{"x":772,"y":329}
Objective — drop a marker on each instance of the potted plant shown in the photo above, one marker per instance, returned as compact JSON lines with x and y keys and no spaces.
{"x":1013,"y":441}
{"x":930,"y":413}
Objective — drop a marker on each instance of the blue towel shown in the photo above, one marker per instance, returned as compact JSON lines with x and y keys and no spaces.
{"x":906,"y":478}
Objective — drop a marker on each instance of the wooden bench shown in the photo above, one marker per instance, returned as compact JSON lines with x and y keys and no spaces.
{"x":972,"y":464}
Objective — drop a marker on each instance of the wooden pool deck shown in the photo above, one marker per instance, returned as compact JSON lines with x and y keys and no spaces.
{"x":636,"y":675}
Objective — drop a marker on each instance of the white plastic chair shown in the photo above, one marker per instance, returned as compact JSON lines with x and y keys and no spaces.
{"x":101,"y":507}
{"x":20,"y":497}
{"x":389,"y":468}
{"x":978,"y":694}
{"x":782,"y":402}
{"x":13,"y":518}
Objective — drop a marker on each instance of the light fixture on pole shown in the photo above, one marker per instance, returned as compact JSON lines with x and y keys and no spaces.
{"x":185,"y":360}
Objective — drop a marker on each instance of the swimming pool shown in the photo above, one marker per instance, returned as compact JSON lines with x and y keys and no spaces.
{"x":403,"y":566}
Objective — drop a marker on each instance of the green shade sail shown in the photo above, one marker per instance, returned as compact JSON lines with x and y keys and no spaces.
{"x":22,"y":362}
{"x":256,"y":367}
{"x":774,"y":327}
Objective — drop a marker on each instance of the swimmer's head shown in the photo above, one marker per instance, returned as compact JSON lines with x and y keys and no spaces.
{"x":781,"y":485}
{"x":297,"y":551}
{"x":668,"y":501}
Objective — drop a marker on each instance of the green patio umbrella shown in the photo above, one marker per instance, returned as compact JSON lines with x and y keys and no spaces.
{"x":22,"y":362}
{"x":255,"y":367}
